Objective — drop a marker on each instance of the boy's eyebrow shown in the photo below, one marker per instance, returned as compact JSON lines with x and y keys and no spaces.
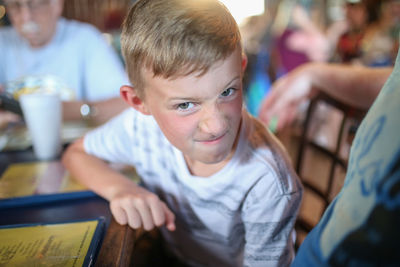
{"x":195,"y":98}
{"x":234,"y":79}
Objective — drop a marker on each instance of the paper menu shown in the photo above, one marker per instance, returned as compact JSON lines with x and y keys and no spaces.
{"x":64,"y":244}
{"x":35,"y":178}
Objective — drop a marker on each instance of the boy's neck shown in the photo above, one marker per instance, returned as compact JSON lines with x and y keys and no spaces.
{"x":205,"y":170}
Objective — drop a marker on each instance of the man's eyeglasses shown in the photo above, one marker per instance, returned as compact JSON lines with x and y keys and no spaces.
{"x":32,"y":5}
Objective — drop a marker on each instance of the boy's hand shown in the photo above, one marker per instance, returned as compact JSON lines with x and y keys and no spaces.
{"x":141,"y":208}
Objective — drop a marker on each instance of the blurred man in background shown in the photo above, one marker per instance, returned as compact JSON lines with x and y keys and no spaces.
{"x":41,"y":42}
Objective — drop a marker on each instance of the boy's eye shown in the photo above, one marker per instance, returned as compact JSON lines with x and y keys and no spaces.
{"x":228,"y":92}
{"x":185,"y":106}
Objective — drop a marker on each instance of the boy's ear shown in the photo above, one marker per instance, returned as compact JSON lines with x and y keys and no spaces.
{"x":244,"y":62}
{"x":130,"y":96}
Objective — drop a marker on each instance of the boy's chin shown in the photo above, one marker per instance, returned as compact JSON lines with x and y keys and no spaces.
{"x":210,"y":159}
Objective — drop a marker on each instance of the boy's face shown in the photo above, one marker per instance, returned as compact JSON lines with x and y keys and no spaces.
{"x":199,"y":115}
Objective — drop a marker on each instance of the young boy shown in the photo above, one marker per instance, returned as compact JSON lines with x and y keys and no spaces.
{"x":213,"y":179}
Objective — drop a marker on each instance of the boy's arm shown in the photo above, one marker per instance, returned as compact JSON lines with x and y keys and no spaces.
{"x":129,"y":203}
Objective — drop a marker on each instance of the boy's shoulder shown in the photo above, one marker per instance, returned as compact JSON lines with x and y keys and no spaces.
{"x":259,"y":138}
{"x":134,"y":120}
{"x":264,"y":148}
{"x":131,"y":123}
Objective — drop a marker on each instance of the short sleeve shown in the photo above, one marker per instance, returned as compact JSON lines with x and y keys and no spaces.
{"x":113,"y":141}
{"x":269,"y":218}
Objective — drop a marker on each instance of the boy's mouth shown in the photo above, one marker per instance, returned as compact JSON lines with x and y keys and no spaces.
{"x":213,"y":140}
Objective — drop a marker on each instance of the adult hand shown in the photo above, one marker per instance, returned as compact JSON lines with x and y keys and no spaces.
{"x":141,"y":208}
{"x":5,"y":116}
{"x":286,"y":95}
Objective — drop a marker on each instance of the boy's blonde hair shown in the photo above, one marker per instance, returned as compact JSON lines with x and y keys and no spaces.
{"x":175,"y":38}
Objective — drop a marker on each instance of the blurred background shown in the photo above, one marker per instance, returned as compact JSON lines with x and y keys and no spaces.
{"x":279,"y":35}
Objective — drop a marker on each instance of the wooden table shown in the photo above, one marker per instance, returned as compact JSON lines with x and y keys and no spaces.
{"x":118,"y":243}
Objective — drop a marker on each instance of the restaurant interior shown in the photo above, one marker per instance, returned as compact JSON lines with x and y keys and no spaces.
{"x":278,"y":37}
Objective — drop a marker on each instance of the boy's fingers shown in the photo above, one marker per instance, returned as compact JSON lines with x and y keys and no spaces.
{"x":157,"y":211}
{"x":169,"y":218}
{"x":119,"y":214}
{"x":145,"y":214}
{"x":134,"y":218}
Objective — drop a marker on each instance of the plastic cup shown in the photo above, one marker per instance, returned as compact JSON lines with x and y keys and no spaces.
{"x":43,"y":117}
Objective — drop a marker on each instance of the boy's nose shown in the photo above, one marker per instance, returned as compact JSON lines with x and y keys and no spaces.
{"x":213,"y":121}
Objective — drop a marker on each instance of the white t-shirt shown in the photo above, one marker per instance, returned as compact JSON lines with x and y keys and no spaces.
{"x":78,"y":55}
{"x":243,"y":215}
